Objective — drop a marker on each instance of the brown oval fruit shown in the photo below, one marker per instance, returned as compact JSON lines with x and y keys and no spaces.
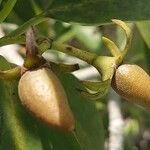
{"x":132,"y":83}
{"x":42,"y":94}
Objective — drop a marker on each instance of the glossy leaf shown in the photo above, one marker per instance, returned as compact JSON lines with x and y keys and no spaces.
{"x":88,"y":36}
{"x":20,"y":14}
{"x":144,"y":27}
{"x":98,"y":11}
{"x":88,"y":134}
{"x":89,"y":129}
{"x":0,"y":2}
{"x":16,"y":127}
{"x":21,"y":8}
{"x":90,"y":12}
{"x":8,"y":6}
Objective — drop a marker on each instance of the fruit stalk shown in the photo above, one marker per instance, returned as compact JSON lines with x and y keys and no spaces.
{"x":81,"y":54}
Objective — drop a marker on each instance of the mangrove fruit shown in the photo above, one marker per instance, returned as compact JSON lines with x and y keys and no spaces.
{"x":43,"y":95}
{"x":132,"y":83}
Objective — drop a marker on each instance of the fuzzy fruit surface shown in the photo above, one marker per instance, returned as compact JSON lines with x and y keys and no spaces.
{"x":132,"y":83}
{"x":41,"y":92}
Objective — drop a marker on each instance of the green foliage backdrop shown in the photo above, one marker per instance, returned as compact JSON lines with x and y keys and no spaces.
{"x":21,"y":131}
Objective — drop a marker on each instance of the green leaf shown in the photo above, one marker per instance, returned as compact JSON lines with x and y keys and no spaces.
{"x":144,"y":27}
{"x":21,"y":8}
{"x":89,"y":128}
{"x":20,"y":14}
{"x":24,"y":132}
{"x":11,"y":40}
{"x":0,"y":2}
{"x":16,"y":127}
{"x":35,"y":7}
{"x":8,"y":6}
{"x":14,"y":36}
{"x":88,"y":134}
{"x":90,"y":12}
{"x":88,"y":36}
{"x":98,"y":11}
{"x":52,"y":139}
{"x":23,"y":28}
{"x":3,"y":63}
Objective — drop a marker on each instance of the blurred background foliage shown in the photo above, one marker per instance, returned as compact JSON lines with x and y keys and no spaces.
{"x":92,"y":117}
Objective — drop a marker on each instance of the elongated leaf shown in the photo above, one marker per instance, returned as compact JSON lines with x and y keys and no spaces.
{"x":98,"y":11}
{"x":23,"y":28}
{"x":26,"y":9}
{"x":0,"y":2}
{"x":24,"y":132}
{"x":89,"y":129}
{"x":53,"y":139}
{"x":144,"y":28}
{"x":88,"y":37}
{"x":16,"y":128}
{"x":88,"y":134}
{"x":91,"y":12}
{"x":21,"y":8}
{"x":11,"y":40}
{"x":7,"y":9}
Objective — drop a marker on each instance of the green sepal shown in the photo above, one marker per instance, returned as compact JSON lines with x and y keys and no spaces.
{"x":95,"y":90}
{"x":106,"y":66}
{"x":6,"y":73}
{"x":92,"y":95}
{"x":112,"y":47}
{"x":96,"y":85}
{"x":128,"y":34}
